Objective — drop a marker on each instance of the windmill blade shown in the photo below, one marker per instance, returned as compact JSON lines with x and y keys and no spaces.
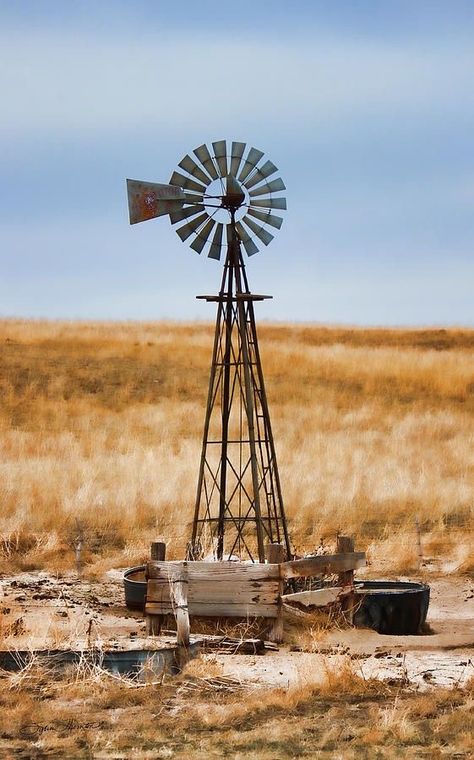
{"x":250,"y":163}
{"x":193,"y":169}
{"x":185,"y":213}
{"x":148,"y":200}
{"x":244,"y":237}
{"x":205,"y":158}
{"x":262,"y":216}
{"x":236,"y":157}
{"x":220,"y":149}
{"x":193,"y":198}
{"x":269,"y":187}
{"x":203,"y":236}
{"x":188,"y":184}
{"x":216,"y":245}
{"x":187,"y":229}
{"x":269,"y":203}
{"x":265,"y":171}
{"x":262,"y":234}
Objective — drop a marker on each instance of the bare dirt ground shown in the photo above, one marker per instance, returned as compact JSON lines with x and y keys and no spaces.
{"x":443,"y":657}
{"x":40,"y":611}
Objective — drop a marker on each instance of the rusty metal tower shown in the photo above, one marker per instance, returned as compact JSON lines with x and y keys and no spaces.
{"x":239,"y":505}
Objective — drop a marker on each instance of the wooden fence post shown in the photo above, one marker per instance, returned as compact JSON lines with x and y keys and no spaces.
{"x":275,"y":555}
{"x":158,"y":551}
{"x":154,"y":622}
{"x":345,"y":545}
{"x":180,"y":596}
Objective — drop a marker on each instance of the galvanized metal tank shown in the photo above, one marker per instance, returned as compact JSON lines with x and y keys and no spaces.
{"x":391,"y":607}
{"x":134,"y":584}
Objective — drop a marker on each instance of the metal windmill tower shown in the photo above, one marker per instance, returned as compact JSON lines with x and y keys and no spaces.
{"x":223,"y":202}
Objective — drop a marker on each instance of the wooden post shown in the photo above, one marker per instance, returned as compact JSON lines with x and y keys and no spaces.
{"x":154,"y":622}
{"x":275,"y":555}
{"x":345,"y":545}
{"x":179,"y":590}
{"x":418,"y":536}
{"x":158,"y":551}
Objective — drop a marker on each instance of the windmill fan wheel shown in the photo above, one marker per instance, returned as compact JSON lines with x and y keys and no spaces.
{"x":246,"y":189}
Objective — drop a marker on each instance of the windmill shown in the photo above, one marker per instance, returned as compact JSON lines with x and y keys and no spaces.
{"x":222,"y":202}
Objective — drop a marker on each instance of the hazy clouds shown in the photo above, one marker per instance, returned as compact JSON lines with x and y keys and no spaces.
{"x":372,"y":133}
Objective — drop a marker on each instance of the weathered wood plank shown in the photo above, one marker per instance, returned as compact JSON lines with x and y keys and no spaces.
{"x":319,"y":597}
{"x":217,"y":571}
{"x":266,"y":592}
{"x":323,"y":564}
{"x":208,"y":609}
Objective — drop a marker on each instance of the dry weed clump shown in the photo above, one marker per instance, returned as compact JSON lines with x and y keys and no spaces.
{"x":100,"y":429}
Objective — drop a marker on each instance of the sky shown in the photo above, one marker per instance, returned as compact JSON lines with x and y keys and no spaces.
{"x":366,"y":107}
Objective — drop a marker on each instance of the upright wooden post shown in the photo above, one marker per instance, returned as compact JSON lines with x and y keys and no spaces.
{"x":154,"y":622}
{"x":418,"y":536}
{"x":345,"y":545}
{"x":158,"y":551}
{"x":179,"y":590}
{"x":275,"y":555}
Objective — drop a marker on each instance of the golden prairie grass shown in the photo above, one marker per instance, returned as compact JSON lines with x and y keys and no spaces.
{"x":89,"y":715}
{"x":101,"y":424}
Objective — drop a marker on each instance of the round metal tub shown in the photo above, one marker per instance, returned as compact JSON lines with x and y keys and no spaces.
{"x":391,"y":607}
{"x":134,"y":584}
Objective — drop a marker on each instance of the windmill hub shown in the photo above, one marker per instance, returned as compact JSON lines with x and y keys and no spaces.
{"x":222,"y":203}
{"x":234,"y":195}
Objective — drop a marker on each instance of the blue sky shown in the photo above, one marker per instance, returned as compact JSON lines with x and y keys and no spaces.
{"x":367,"y":108}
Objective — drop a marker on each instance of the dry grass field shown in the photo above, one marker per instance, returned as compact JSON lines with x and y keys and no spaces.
{"x":101,"y":428}
{"x":346,"y":718}
{"x":100,"y":433}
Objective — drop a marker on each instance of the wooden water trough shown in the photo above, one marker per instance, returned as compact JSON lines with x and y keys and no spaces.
{"x":238,"y":589}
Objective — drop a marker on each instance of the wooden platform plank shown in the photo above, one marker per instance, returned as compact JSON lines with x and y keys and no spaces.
{"x":323,"y":564}
{"x":208,"y":609}
{"x":215,"y":570}
{"x":319,"y":597}
{"x":267,"y":592}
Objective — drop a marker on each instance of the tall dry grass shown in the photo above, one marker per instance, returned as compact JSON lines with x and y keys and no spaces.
{"x":100,"y":434}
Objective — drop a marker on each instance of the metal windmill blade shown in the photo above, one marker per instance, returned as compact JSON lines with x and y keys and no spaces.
{"x":250,"y":163}
{"x":265,"y":216}
{"x":258,"y":230}
{"x":268,"y":187}
{"x":220,"y":156}
{"x":244,"y":237}
{"x":216,"y":245}
{"x":269,"y":203}
{"x":260,"y":174}
{"x":236,"y":154}
{"x":203,"y":236}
